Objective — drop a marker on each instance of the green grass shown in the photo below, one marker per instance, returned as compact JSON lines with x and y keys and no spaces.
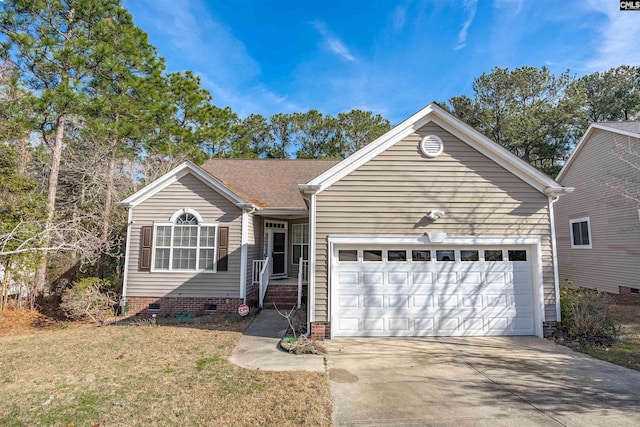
{"x":147,"y":375}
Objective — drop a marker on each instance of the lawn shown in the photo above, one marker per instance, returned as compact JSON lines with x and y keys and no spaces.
{"x":626,"y":352}
{"x":78,"y":375}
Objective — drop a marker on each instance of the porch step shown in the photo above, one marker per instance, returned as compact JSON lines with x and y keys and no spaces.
{"x":283,"y":296}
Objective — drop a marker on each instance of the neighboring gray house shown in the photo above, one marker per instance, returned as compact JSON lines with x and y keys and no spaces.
{"x":598,"y":225}
{"x":431,"y":229}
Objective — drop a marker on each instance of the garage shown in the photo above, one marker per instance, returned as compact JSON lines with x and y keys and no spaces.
{"x":436,"y":290}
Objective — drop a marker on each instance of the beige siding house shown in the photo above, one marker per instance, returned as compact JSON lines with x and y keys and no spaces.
{"x":598,"y":225}
{"x":432,"y":229}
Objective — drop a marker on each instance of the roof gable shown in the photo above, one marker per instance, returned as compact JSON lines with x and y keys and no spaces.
{"x":173,"y":176}
{"x":453,"y":125}
{"x":631,"y":129}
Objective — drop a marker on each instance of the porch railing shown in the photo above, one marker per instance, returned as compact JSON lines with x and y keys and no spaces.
{"x":264,"y":279}
{"x":303,"y":277}
{"x":255,"y":271}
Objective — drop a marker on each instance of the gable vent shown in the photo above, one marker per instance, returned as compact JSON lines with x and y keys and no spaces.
{"x":431,"y":146}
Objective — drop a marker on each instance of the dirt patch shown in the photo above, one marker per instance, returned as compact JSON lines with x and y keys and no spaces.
{"x":19,"y":320}
{"x":342,"y":376}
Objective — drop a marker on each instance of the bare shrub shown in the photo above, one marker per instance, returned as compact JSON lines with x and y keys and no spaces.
{"x":586,"y":316}
{"x":89,"y":298}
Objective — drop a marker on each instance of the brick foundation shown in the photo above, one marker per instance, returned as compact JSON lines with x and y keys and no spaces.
{"x":321,"y":330}
{"x":625,"y":290}
{"x":174,"y":305}
{"x":549,"y":328}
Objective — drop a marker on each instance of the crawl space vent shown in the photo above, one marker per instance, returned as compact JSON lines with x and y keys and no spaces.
{"x":431,"y":146}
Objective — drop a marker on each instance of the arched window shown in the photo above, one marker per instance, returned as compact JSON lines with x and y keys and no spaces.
{"x":185,"y":244}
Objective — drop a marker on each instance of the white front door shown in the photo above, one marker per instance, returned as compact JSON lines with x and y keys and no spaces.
{"x":276,"y":247}
{"x":422,"y":291}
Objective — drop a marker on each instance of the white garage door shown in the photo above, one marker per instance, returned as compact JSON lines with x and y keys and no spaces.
{"x":418,"y":291}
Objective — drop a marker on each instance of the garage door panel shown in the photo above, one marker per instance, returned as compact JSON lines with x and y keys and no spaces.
{"x":422,"y":278}
{"x":372,"y":278}
{"x":398,"y":279}
{"x":373,"y":324}
{"x":432,"y":298}
{"x":422,"y":301}
{"x":349,"y":278}
{"x":349,"y":301}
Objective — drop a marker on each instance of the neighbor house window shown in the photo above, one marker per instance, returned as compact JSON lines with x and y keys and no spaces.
{"x":580,"y":233}
{"x":300,"y":242}
{"x":185,"y":243}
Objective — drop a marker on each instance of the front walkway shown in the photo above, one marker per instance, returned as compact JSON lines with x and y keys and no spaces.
{"x":259,"y":347}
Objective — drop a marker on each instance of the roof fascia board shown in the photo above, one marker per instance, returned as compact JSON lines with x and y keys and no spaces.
{"x":583,"y":140}
{"x":466,"y":133}
{"x":173,"y":176}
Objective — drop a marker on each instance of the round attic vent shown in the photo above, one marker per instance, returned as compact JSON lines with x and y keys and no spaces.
{"x":431,"y":146}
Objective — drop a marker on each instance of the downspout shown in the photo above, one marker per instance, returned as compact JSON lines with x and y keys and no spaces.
{"x":125,"y":274}
{"x":244,"y":243}
{"x":311,"y":286}
{"x":309,"y":193}
{"x":554,"y":252}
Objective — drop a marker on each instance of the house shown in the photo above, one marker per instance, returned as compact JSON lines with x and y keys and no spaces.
{"x":431,"y":229}
{"x":598,"y":225}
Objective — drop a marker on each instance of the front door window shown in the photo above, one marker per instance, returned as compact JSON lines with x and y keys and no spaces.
{"x":279,"y":247}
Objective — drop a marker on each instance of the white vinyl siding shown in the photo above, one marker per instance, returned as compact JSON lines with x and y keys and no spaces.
{"x":214,"y":208}
{"x":392,"y":193}
{"x":614,"y":230}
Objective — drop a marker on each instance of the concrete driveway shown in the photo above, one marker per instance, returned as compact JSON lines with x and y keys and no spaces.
{"x":523,"y":381}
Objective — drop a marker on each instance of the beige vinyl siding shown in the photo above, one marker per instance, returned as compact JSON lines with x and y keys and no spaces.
{"x":615,"y":226}
{"x":187,"y":192}
{"x":293,"y":267}
{"x":391,"y":194}
{"x":254,"y":250}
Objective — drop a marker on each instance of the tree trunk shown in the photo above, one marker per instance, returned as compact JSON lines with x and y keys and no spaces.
{"x":106,"y":212}
{"x":40,"y":278}
{"x":6,"y":282}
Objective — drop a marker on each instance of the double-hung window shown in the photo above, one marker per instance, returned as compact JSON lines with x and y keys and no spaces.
{"x":185,"y":244}
{"x":580,"y":233}
{"x":300,"y":242}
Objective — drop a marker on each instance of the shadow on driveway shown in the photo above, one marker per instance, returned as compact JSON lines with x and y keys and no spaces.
{"x":477,"y":381}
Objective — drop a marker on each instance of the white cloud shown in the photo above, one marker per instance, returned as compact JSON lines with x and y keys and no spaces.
{"x":399,"y":17}
{"x":619,"y":33}
{"x":471,"y":7}
{"x":332,"y":42}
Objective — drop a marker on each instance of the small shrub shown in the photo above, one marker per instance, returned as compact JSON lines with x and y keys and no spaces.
{"x":585,"y":315}
{"x":89,"y":298}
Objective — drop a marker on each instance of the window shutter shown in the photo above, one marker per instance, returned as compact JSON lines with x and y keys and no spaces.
{"x":146,"y":241}
{"x":223,"y":248}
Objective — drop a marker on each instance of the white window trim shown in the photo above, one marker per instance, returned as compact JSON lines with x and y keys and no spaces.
{"x":576,"y":220}
{"x":172,"y":224}
{"x":297,"y":261}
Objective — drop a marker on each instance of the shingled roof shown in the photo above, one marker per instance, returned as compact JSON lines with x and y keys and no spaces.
{"x":269,"y":183}
{"x":632,"y":127}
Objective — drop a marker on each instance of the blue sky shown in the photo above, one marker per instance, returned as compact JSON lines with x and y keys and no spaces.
{"x":392,"y":58}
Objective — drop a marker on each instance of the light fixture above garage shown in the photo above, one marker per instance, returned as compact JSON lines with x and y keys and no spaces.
{"x":431,"y":146}
{"x":435,"y":215}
